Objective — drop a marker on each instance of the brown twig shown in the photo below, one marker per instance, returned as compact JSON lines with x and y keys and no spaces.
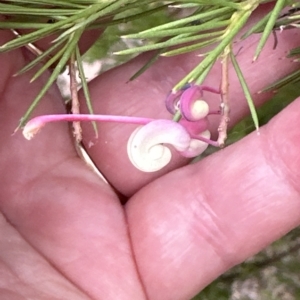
{"x":31,"y":47}
{"x":224,"y":105}
{"x":77,"y":131}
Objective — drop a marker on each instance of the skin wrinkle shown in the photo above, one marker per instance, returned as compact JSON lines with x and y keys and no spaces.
{"x":251,"y":170}
{"x":28,"y":185}
{"x":13,"y":275}
{"x":134,"y":259}
{"x":23,"y":279}
{"x":7,"y":294}
{"x":169,"y":249}
{"x":23,"y":282}
{"x":56,"y":235}
{"x":251,"y":202}
{"x":206,"y":224}
{"x":274,"y":157}
{"x":65,"y":267}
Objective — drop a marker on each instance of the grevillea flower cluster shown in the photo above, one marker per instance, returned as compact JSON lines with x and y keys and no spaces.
{"x":146,"y":146}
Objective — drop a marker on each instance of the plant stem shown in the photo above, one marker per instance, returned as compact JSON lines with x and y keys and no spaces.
{"x":225,"y":108}
{"x":33,"y":126}
{"x":74,"y":97}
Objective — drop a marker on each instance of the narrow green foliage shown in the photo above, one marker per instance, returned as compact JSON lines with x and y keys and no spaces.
{"x":294,"y":52}
{"x":147,"y":65}
{"x":257,"y":27}
{"x":42,"y":3}
{"x":161,"y":45}
{"x":40,"y":58}
{"x":57,"y":70}
{"x":85,"y":88}
{"x":214,"y":24}
{"x":177,"y":116}
{"x":198,"y":25}
{"x":204,"y":74}
{"x":289,"y":79}
{"x":245,"y":90}
{"x":49,"y":63}
{"x":34,"y":36}
{"x":269,"y":26}
{"x":240,"y":18}
{"x":90,"y":15}
{"x":126,"y":19}
{"x":22,"y":25}
{"x":207,"y":15}
{"x":292,"y":78}
{"x":196,"y":46}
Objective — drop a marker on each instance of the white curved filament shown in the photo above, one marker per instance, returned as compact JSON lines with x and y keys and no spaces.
{"x":146,"y":149}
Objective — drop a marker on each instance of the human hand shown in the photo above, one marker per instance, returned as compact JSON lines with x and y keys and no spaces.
{"x":65,"y":234}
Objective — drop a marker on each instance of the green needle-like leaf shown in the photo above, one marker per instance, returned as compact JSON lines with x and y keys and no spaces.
{"x":22,"y":25}
{"x":269,"y":26}
{"x":85,"y":87}
{"x":196,"y":46}
{"x":291,"y":78}
{"x":146,"y":66}
{"x":257,"y":27}
{"x":160,"y":45}
{"x":40,"y":58}
{"x":209,"y":14}
{"x":246,"y":90}
{"x":34,"y":36}
{"x":49,"y":63}
{"x":239,"y":20}
{"x":214,"y":24}
{"x":59,"y":67}
{"x":191,"y":25}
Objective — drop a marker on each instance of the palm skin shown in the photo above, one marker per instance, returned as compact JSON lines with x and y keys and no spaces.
{"x":64,"y":232}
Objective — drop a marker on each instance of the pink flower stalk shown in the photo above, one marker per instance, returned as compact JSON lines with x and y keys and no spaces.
{"x":35,"y":124}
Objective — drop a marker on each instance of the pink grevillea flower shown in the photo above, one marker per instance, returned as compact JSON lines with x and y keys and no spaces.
{"x":146,"y":146}
{"x":189,"y":101}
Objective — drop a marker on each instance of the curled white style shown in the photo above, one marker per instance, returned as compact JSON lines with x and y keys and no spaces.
{"x":146,"y":149}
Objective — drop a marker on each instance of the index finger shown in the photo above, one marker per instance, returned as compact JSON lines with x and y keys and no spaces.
{"x":193,"y":224}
